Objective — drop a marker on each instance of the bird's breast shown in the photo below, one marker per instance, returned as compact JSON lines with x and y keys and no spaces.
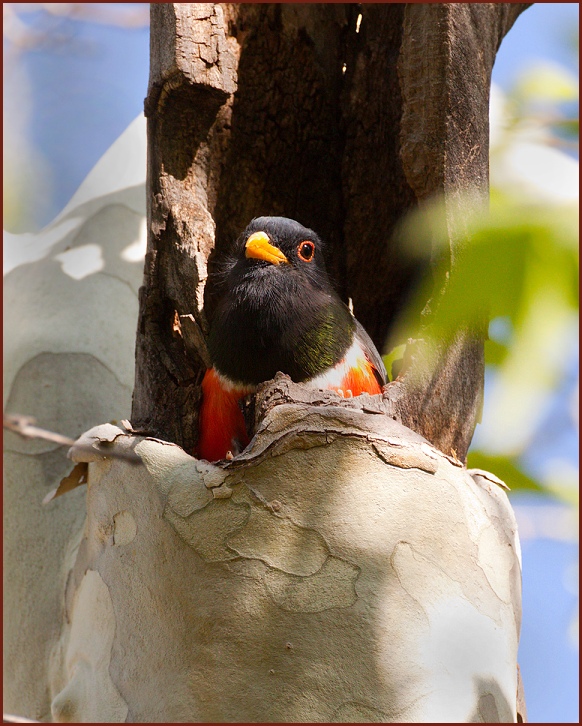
{"x":258,"y":332}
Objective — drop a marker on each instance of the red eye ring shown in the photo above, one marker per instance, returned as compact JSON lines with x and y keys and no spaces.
{"x":306,"y":251}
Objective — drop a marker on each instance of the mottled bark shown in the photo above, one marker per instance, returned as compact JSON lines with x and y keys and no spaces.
{"x":300,"y":110}
{"x":254,"y":593}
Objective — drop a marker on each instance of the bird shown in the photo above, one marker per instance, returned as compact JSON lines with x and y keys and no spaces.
{"x":275,"y":309}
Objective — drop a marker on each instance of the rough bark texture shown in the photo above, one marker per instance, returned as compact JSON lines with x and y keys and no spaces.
{"x":294,"y":110}
{"x":444,"y":66}
{"x":192,"y":79}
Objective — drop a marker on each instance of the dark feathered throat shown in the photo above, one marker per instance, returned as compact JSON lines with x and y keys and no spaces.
{"x":275,"y":318}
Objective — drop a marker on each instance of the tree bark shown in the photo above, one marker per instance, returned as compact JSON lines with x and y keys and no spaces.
{"x":69,"y":363}
{"x":300,"y":110}
{"x":383,"y":587}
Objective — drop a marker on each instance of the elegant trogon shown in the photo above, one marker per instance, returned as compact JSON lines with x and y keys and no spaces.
{"x":276,"y":310}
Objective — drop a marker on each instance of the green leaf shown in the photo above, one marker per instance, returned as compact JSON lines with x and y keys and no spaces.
{"x":495,"y":353}
{"x":549,"y":82}
{"x":569,"y":128}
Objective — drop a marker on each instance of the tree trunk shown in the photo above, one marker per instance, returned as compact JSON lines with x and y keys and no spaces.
{"x":344,"y":126}
{"x":346,"y":566}
{"x":384,"y":586}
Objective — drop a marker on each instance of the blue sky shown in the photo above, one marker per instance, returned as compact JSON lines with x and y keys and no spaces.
{"x":548,"y":656}
{"x":545,"y":30}
{"x":85,"y":91}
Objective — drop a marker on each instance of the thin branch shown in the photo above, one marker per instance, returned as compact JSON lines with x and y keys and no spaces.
{"x":24,"y":426}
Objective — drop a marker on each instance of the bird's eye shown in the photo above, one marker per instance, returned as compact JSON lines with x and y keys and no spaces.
{"x":305,"y":251}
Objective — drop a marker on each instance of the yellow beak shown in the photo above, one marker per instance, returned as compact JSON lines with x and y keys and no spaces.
{"x":259,"y":247}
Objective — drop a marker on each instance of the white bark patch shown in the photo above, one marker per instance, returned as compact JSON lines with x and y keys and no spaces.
{"x":489,"y":542}
{"x":81,"y":261}
{"x":90,"y":695}
{"x":464,"y":652}
{"x":461,"y":646}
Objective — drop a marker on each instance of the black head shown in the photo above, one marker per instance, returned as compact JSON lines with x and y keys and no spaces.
{"x":285,"y":244}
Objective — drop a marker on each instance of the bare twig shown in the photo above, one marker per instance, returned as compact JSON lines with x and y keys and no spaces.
{"x":25,"y":426}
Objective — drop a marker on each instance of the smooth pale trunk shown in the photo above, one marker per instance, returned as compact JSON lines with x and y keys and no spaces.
{"x":383,"y":586}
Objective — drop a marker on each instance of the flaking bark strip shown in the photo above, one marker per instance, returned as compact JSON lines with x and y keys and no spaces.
{"x":89,"y":442}
{"x":478,"y":474}
{"x":212,"y":475}
{"x":405,"y":458}
{"x":281,"y":443}
{"x":311,"y":437}
{"x":282,"y":390}
{"x":78,"y":476}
